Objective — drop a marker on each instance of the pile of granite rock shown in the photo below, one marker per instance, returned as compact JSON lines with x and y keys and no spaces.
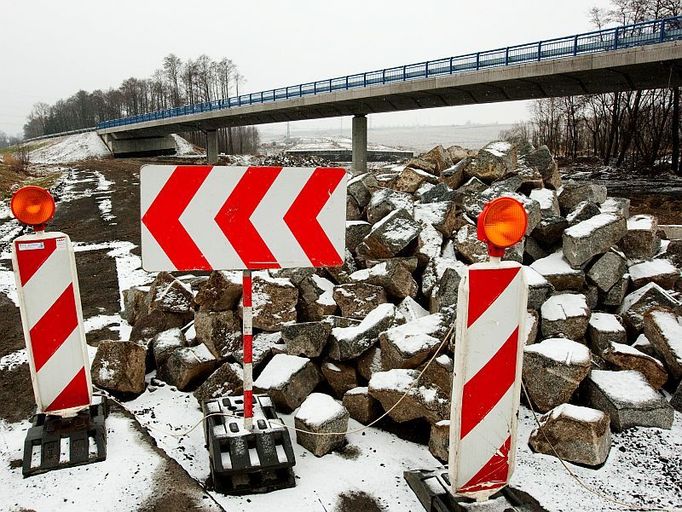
{"x":603,"y":332}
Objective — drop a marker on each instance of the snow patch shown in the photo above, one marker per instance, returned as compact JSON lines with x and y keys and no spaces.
{"x":279,"y":371}
{"x":72,"y":148}
{"x":651,"y":269}
{"x":319,"y":409}
{"x":561,"y":350}
{"x":606,"y":322}
{"x":578,"y":413}
{"x":554,"y":265}
{"x":564,"y":306}
{"x":587,"y":227}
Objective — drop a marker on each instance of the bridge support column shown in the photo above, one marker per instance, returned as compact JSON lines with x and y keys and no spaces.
{"x":359,"y":141}
{"x":211,"y":147}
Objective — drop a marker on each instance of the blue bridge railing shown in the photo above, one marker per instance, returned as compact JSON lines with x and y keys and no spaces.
{"x":639,"y":34}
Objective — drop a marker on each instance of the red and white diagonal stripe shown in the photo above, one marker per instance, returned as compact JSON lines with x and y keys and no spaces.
{"x":486,"y":387}
{"x":50,"y":307}
{"x":222,"y":218}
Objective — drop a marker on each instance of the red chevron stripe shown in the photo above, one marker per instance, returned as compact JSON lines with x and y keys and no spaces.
{"x":234,"y":217}
{"x":73,"y":395}
{"x":486,"y":285}
{"x":302,"y":217}
{"x":486,"y":388}
{"x":54,"y":327}
{"x":163,"y":217}
{"x":30,"y":261}
{"x":493,"y":474}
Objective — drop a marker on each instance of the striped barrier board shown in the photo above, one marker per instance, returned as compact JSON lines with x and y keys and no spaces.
{"x":487,"y":378}
{"x":233,"y":218}
{"x":52,"y":319}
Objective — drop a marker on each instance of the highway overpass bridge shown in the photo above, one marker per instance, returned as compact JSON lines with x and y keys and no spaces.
{"x":641,"y":56}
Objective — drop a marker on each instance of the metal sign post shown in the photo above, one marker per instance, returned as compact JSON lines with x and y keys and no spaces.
{"x":247,"y":333}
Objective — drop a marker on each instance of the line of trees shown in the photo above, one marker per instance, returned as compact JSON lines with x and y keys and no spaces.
{"x":8,"y":140}
{"x":174,"y":84}
{"x":635,"y":129}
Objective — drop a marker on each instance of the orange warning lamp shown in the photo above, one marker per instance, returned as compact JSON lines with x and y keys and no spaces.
{"x":33,"y":206}
{"x":502,"y":224}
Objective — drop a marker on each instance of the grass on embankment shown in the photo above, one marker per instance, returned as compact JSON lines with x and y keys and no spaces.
{"x":9,"y":178}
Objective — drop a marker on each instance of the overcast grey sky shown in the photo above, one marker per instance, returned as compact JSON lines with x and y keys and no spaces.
{"x":52,"y":48}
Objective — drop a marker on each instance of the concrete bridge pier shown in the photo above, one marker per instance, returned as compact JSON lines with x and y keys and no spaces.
{"x":212,"y":147}
{"x":125,"y":145}
{"x":359,"y":142}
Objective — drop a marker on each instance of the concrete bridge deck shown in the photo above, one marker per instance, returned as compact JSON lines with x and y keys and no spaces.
{"x":647,"y":55}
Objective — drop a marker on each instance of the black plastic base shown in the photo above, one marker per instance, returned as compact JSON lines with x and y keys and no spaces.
{"x":247,"y":461}
{"x":54,"y":442}
{"x":431,"y":488}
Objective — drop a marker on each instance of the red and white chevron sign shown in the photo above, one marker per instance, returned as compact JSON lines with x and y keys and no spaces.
{"x":491,"y":313}
{"x":229,"y":218}
{"x":49,"y":301}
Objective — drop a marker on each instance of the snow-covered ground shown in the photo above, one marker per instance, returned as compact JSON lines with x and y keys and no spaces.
{"x":185,"y":148}
{"x":84,"y":146}
{"x":70,"y":148}
{"x":332,"y":143}
{"x":125,"y":481}
{"x":373,"y":463}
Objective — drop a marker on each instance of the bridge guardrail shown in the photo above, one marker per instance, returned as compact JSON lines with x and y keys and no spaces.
{"x":638,"y":34}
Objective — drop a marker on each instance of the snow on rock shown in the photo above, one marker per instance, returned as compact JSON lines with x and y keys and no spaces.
{"x":318,"y":409}
{"x":565,"y":313}
{"x":553,"y":369}
{"x":421,"y":401}
{"x":628,"y":399}
{"x":603,"y":329}
{"x":351,"y":342}
{"x":664,"y":330}
{"x":390,"y":235}
{"x":274,"y":302}
{"x":661,"y":272}
{"x":280,"y":370}
{"x":538,"y":287}
{"x":13,"y":359}
{"x":410,"y":344}
{"x":578,"y":434}
{"x":361,"y":405}
{"x":119,"y":366}
{"x":592,"y":236}
{"x":186,"y":366}
{"x":411,"y":309}
{"x":549,"y":204}
{"x":556,"y":269}
{"x":626,"y":357}
{"x":71,"y":148}
{"x":561,"y":350}
{"x":288,"y":380}
{"x":636,"y":304}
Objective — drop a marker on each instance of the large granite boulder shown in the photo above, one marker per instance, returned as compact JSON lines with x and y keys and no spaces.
{"x":628,"y":399}
{"x":288,"y":380}
{"x":321,"y":423}
{"x":553,"y":369}
{"x":119,"y":366}
{"x":576,"y":434}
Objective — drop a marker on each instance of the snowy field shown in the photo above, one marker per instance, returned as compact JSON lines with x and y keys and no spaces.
{"x":638,"y":470}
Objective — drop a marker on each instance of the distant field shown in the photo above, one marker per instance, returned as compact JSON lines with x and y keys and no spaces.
{"x":415,"y":138}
